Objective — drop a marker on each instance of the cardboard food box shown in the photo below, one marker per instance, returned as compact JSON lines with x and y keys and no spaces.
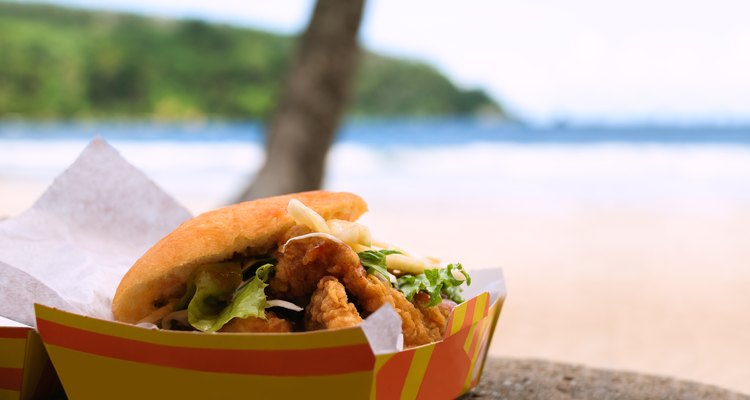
{"x":97,"y":359}
{"x":99,"y":216}
{"x":25,"y":369}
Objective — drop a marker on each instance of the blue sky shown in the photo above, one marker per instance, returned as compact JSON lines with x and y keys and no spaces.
{"x":587,"y":61}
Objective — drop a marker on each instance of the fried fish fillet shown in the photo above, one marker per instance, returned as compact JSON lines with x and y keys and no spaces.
{"x":329,"y":307}
{"x":272,"y":324}
{"x":303,"y":262}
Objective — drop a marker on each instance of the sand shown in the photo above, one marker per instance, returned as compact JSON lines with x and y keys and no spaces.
{"x":654,"y":292}
{"x":644,"y":289}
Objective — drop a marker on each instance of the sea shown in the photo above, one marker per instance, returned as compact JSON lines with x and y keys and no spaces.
{"x":436,"y":162}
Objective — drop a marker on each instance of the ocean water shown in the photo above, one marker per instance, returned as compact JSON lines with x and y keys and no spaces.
{"x":430,"y":163}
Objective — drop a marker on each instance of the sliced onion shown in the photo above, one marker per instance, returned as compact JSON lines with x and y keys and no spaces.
{"x":388,"y":246}
{"x":433,"y":260}
{"x":458,"y":275}
{"x":358,"y":248}
{"x":407,"y":264}
{"x":158,"y":314}
{"x":309,"y":235}
{"x":350,"y":232}
{"x":284,"y":304}
{"x":179,"y":316}
{"x":305,"y":215}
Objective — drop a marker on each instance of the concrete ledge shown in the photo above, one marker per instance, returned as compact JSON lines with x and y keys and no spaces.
{"x":543,"y":380}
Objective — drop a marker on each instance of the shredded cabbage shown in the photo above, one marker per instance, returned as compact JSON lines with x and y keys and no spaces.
{"x":351,"y":233}
{"x":407,"y":264}
{"x":305,"y":215}
{"x":180,"y":317}
{"x":314,"y":234}
{"x":284,"y":304}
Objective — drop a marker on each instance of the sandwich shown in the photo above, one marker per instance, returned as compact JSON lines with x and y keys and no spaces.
{"x":290,"y":263}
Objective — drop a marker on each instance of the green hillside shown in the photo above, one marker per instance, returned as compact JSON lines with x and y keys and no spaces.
{"x":60,"y":63}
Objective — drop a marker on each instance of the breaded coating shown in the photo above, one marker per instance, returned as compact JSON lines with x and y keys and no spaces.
{"x":296,"y":230}
{"x":434,"y":320}
{"x":416,"y":328}
{"x":304,"y":262}
{"x":435,"y":317}
{"x":446,"y":307}
{"x":272,"y":324}
{"x":329,"y":307}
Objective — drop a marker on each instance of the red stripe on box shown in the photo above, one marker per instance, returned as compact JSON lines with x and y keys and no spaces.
{"x":482,"y":349}
{"x":14,"y":332}
{"x":486,"y":309}
{"x":476,"y":342}
{"x":469,"y":318}
{"x":11,"y":378}
{"x":301,"y":362}
{"x":392,"y":375}
{"x":447,"y":370}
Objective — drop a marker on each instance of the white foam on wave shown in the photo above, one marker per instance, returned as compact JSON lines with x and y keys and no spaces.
{"x":712,"y":177}
{"x":37,"y":159}
{"x":547,"y":175}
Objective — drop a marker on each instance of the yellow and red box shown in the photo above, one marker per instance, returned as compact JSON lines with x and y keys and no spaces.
{"x":25,"y":368}
{"x":103,"y":359}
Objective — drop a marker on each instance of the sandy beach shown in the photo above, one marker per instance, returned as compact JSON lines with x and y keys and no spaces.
{"x":624,"y":289}
{"x":629,"y":288}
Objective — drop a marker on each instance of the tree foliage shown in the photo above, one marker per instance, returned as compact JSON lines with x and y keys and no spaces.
{"x":60,"y":63}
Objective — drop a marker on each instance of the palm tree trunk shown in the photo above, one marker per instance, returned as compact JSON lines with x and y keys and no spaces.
{"x":317,"y":89}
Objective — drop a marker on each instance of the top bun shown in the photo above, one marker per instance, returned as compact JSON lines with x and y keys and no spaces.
{"x":249,"y":228}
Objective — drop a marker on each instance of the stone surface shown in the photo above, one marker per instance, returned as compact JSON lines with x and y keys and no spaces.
{"x":519,"y":379}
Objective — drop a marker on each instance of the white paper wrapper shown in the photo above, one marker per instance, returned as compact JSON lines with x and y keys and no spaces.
{"x":73,"y":246}
{"x":383,"y":330}
{"x":8,"y":323}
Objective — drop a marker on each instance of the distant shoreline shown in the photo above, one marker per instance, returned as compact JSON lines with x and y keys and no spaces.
{"x":380,"y":131}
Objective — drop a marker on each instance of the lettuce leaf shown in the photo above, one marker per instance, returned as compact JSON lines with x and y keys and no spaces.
{"x":374,"y":263}
{"x":212,"y":288}
{"x":248,"y":300}
{"x":435,"y":282}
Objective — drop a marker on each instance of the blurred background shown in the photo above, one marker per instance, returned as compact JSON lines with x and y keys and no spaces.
{"x":599,"y":152}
